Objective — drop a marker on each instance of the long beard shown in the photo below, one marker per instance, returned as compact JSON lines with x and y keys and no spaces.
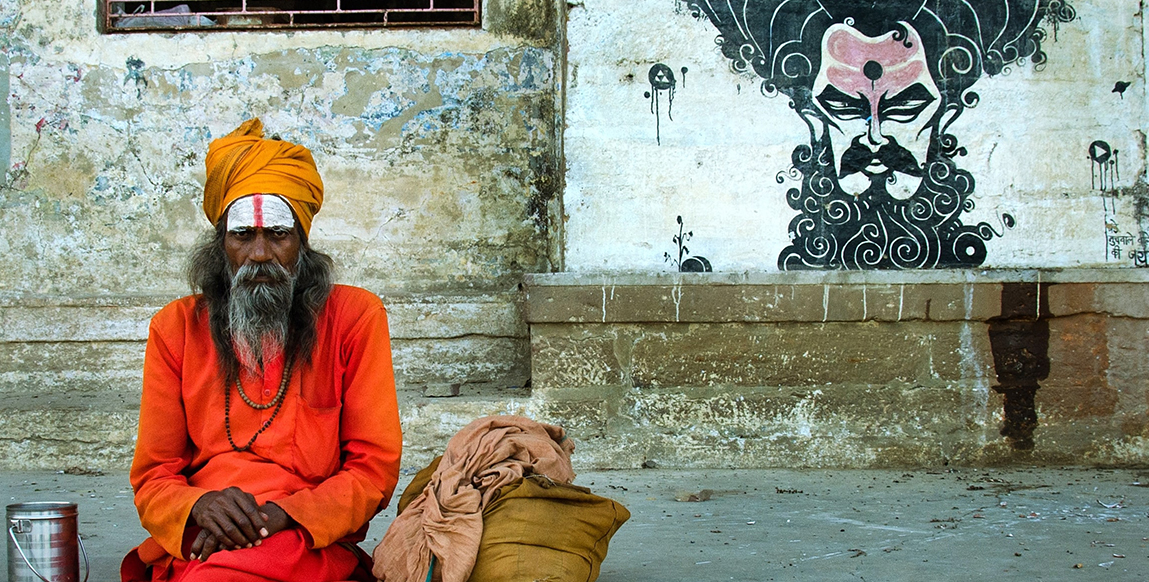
{"x":838,"y":230}
{"x":259,"y":313}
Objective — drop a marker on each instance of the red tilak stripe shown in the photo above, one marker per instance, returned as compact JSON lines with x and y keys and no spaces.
{"x":257,"y":208}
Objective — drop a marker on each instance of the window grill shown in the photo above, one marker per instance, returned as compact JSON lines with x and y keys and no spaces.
{"x":230,"y":15}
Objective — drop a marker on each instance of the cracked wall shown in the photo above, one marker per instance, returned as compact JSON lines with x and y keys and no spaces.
{"x":439,"y":150}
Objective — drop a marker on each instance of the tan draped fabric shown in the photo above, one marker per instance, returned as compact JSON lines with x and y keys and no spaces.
{"x":243,"y":163}
{"x":447,"y":518}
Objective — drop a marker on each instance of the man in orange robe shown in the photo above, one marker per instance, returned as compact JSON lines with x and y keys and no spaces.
{"x":269,"y":429}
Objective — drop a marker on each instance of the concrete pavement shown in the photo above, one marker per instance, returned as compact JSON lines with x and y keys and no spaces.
{"x":755,"y":525}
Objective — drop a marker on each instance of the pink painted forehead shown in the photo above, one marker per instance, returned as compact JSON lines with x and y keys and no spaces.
{"x":858,"y":64}
{"x":260,"y":211}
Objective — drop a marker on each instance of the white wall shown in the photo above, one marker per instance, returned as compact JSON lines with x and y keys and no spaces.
{"x":719,"y":157}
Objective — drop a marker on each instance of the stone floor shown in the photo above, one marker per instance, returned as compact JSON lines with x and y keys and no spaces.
{"x":755,"y":525}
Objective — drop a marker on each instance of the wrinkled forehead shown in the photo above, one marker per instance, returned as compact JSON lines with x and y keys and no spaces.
{"x":260,"y":211}
{"x":858,"y":64}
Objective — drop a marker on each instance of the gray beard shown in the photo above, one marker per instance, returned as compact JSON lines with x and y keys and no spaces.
{"x":259,"y":313}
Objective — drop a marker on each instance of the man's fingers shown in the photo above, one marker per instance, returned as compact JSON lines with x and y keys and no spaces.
{"x":237,"y":531}
{"x":246,"y":502}
{"x":197,"y":545}
{"x":214,"y":532}
{"x":245,"y":514}
{"x":210,"y":545}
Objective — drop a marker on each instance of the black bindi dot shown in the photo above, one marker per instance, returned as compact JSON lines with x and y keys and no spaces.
{"x":872,"y":70}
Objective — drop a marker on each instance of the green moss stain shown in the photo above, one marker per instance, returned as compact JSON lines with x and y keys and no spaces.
{"x":535,"y":21}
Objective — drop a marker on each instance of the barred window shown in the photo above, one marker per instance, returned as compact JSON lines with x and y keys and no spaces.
{"x":207,"y":15}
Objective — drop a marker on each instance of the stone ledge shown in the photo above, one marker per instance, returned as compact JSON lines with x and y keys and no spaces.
{"x":125,"y":318}
{"x":822,"y":297}
{"x":744,"y":355}
{"x":918,"y":277}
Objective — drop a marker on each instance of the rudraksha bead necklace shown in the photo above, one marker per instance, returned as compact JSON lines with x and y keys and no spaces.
{"x":277,"y":402}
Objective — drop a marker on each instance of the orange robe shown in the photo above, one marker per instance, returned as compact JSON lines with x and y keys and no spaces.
{"x":330,"y":459}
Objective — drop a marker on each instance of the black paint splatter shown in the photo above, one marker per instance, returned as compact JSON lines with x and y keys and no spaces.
{"x":661,"y":81}
{"x":1120,"y":87}
{"x":1104,"y":170}
{"x":1058,"y":12}
{"x":135,"y":75}
{"x":686,"y":264}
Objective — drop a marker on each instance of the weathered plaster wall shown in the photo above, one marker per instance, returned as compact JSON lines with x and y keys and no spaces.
{"x":459,"y":162}
{"x":440,"y":154}
{"x":848,"y":370}
{"x":703,"y":142}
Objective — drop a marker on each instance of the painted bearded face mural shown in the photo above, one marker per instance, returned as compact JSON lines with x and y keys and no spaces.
{"x":878,"y":83}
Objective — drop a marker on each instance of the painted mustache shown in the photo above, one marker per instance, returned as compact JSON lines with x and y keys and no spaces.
{"x":891,"y":155}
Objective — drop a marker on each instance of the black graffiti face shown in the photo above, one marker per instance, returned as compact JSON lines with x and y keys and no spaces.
{"x":879,"y":101}
{"x":878,"y":84}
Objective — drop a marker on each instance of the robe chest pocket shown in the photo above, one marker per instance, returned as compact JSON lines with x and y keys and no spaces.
{"x":315,"y":449}
{"x":318,"y":395}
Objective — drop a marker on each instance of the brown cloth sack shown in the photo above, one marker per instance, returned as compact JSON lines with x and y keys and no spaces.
{"x":444,"y":522}
{"x":537,"y":529}
{"x":417,"y":485}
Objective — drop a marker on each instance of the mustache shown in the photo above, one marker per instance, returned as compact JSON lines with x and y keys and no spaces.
{"x":248,"y":273}
{"x":892,"y":155}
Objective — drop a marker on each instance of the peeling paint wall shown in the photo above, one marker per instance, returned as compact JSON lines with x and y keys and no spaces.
{"x":439,"y":150}
{"x":595,"y":137}
{"x":431,"y":155}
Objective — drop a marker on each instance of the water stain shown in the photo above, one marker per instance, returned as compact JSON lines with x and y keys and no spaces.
{"x":1019,"y":338}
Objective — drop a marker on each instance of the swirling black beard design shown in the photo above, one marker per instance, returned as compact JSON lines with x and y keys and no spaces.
{"x":873,"y":230}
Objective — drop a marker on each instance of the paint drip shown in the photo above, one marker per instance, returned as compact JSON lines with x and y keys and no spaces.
{"x":1104,"y":171}
{"x":662,"y":81}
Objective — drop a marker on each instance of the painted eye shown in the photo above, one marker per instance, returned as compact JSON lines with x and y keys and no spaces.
{"x":841,"y":106}
{"x":906,"y":112}
{"x":907,"y":105}
{"x":842,"y":110}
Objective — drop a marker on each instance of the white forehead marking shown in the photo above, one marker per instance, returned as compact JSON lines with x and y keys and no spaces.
{"x":260,"y":211}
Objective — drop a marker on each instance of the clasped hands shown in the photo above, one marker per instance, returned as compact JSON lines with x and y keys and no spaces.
{"x":231,"y":519}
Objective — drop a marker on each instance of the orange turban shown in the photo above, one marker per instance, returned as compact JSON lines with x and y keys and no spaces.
{"x":243,"y":163}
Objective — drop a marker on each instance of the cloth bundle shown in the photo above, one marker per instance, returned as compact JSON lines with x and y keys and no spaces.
{"x":498,"y":505}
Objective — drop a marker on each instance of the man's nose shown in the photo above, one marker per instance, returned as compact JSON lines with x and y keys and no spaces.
{"x":874,"y":136}
{"x":260,"y":251}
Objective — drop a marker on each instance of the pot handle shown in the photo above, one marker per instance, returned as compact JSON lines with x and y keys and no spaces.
{"x":12,"y":534}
